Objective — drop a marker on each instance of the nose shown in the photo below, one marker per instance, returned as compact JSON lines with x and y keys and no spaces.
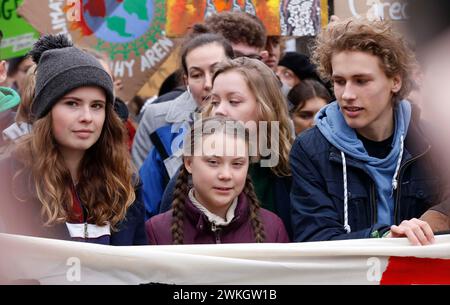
{"x":221,"y":109}
{"x":208,"y":82}
{"x":225,"y":173}
{"x":86,"y":114}
{"x":348,"y":93}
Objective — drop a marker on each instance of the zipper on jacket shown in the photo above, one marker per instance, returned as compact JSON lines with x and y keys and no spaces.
{"x":400,"y":176}
{"x":216,"y":231}
{"x":86,"y":234}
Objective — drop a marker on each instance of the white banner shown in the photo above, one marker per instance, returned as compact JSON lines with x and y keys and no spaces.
{"x":366,"y":261}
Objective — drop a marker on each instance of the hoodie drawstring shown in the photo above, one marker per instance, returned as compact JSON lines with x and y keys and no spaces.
{"x":344,"y":170}
{"x":397,"y":168}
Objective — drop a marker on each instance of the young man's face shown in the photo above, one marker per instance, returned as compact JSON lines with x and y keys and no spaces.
{"x":364,"y":93}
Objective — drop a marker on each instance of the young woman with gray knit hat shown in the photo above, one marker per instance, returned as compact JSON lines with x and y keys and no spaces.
{"x":71,"y":177}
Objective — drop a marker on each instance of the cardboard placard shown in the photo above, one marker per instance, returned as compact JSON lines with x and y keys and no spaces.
{"x":18,"y":35}
{"x":131,"y":32}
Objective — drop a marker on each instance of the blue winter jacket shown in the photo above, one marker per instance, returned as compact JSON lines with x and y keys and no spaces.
{"x":317,"y":194}
{"x":154,"y":171}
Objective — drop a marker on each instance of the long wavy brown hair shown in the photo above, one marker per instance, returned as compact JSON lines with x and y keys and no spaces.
{"x":181,"y":191}
{"x":106,"y":185}
{"x":264,"y":84}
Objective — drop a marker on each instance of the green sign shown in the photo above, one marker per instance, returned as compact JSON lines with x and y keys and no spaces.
{"x":18,"y":35}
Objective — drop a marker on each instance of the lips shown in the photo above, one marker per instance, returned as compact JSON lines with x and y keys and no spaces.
{"x":352,"y":111}
{"x":83,"y":133}
{"x":222,"y":189}
{"x":352,"y":108}
{"x":270,"y":62}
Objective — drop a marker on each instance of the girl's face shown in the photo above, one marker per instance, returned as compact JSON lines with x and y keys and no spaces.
{"x":200,"y":63}
{"x":304,"y":117}
{"x":231,"y":97}
{"x":219,"y":171}
{"x":78,"y":117}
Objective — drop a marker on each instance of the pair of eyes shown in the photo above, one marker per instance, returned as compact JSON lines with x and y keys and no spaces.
{"x":342,"y":82}
{"x":95,"y":105}
{"x":305,"y":115}
{"x":215,"y":102}
{"x":215,"y":162}
{"x":196,"y":75}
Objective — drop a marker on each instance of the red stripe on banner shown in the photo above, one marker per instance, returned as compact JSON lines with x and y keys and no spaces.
{"x":414,"y":270}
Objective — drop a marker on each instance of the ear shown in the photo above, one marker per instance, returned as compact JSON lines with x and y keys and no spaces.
{"x":188,"y":164}
{"x":396,"y":83}
{"x":264,"y":54}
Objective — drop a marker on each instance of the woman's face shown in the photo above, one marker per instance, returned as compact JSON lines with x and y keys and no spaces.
{"x":304,"y":117}
{"x":78,"y":118}
{"x":200,"y":63}
{"x":231,"y":97}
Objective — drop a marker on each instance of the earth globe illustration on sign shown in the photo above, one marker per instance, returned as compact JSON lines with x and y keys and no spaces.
{"x":118,"y":21}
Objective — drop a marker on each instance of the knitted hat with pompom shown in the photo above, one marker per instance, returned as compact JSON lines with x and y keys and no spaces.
{"x":61,"y":68}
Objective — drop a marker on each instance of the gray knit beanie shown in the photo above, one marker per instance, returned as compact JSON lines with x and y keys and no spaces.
{"x":61,"y":68}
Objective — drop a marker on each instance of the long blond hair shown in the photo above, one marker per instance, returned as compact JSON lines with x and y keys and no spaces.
{"x":105,"y":186}
{"x":272,"y":106}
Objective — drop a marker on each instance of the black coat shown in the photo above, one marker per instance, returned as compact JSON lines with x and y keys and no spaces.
{"x":317,"y":194}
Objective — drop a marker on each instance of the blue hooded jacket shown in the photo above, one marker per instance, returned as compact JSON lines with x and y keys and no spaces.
{"x":320,"y":188}
{"x":332,"y":125}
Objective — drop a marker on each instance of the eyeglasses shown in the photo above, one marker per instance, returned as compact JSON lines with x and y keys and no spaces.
{"x":253,"y":56}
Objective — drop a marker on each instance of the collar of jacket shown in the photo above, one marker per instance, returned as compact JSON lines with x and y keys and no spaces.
{"x":416,"y":143}
{"x":201,"y":222}
{"x":181,"y":108}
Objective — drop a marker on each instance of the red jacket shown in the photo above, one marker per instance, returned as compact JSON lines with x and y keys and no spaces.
{"x":197,"y":228}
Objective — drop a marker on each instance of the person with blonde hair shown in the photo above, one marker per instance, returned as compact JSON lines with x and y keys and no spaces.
{"x":71,"y":177}
{"x":365,"y":169}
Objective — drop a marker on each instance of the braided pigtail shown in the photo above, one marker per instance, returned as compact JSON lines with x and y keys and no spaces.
{"x":179,"y":196}
{"x":257,"y":225}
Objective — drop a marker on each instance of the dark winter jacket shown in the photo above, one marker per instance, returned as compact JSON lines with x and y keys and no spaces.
{"x":21,"y":212}
{"x":317,"y":195}
{"x":198,"y":230}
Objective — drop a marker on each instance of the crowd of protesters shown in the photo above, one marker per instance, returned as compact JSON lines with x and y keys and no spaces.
{"x":245,"y":143}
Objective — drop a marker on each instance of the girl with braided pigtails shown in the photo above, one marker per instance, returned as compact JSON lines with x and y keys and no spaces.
{"x":214,"y":200}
